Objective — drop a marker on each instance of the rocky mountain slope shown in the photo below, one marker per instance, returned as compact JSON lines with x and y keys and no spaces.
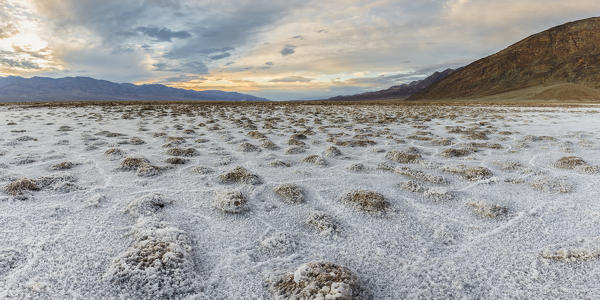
{"x":399,"y":91}
{"x":19,"y":89}
{"x":569,"y":53}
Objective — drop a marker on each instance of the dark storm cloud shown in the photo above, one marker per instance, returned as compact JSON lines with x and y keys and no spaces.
{"x":163,"y":34}
{"x":288,"y":50}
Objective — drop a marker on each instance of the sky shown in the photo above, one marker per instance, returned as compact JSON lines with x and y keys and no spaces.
{"x":281,"y":50}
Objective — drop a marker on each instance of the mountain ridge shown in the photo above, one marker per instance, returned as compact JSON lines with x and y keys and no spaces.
{"x":81,"y":88}
{"x":399,"y":92}
{"x":567,"y":53}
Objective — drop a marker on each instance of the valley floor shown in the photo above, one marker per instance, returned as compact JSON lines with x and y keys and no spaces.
{"x":423,"y":202}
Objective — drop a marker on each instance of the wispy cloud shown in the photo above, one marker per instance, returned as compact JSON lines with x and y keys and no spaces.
{"x":291,"y":79}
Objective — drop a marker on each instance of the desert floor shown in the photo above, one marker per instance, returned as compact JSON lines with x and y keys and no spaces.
{"x":275,"y":201}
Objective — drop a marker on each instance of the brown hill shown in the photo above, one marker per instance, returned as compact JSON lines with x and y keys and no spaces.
{"x":402,"y":91}
{"x":569,"y":53}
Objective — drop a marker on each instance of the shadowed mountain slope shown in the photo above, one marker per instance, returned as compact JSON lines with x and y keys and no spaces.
{"x":19,"y":89}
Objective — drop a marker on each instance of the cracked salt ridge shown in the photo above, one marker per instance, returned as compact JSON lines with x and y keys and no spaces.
{"x":58,"y":245}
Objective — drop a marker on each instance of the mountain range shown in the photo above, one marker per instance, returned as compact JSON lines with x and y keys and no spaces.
{"x":19,"y":89}
{"x":561,"y":63}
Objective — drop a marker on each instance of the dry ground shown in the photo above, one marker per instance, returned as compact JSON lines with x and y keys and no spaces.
{"x":338,"y":200}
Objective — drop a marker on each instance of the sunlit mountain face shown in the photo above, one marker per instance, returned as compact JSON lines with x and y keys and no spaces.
{"x":274,"y":49}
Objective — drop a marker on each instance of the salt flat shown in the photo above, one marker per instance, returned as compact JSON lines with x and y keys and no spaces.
{"x":403,"y":202}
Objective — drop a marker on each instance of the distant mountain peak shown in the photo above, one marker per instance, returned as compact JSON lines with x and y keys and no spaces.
{"x":80,"y":88}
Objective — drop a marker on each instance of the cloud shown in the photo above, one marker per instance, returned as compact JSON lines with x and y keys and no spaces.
{"x":220,"y":56}
{"x":215,"y":50}
{"x":196,"y":67}
{"x":225,"y":24}
{"x":384,"y":80}
{"x":292,"y":79}
{"x":288,"y":50}
{"x":8,"y":30}
{"x":165,"y":67}
{"x":19,"y":64}
{"x":163,"y":34}
{"x":183,"y":78}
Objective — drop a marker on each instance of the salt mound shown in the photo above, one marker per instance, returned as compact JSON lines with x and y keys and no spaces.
{"x":317,"y":280}
{"x":332,"y":152}
{"x":279,"y":243}
{"x":57,"y":182}
{"x":356,"y":167}
{"x":147,"y":205}
{"x":66,"y":165}
{"x":290,"y":193}
{"x":279,"y":164}
{"x":20,"y":187}
{"x":402,"y":157}
{"x":239,"y":175}
{"x":114,"y":153}
{"x":508,"y":165}
{"x":552,"y":184}
{"x":182,"y":152}
{"x":159,"y":263}
{"x":438,"y":194}
{"x":570,"y":162}
{"x":412,"y":186}
{"x":230,"y":201}
{"x":315,"y":160}
{"x":452,"y":152}
{"x":294,"y":150}
{"x":470,"y":173}
{"x":488,"y":210}
{"x":267,"y":144}
{"x":247,"y":147}
{"x":141,"y":165}
{"x":581,"y":250}
{"x":366,"y":200}
{"x":203,"y":170}
{"x":323,"y":223}
{"x":133,"y":163}
{"x":417,"y":174}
